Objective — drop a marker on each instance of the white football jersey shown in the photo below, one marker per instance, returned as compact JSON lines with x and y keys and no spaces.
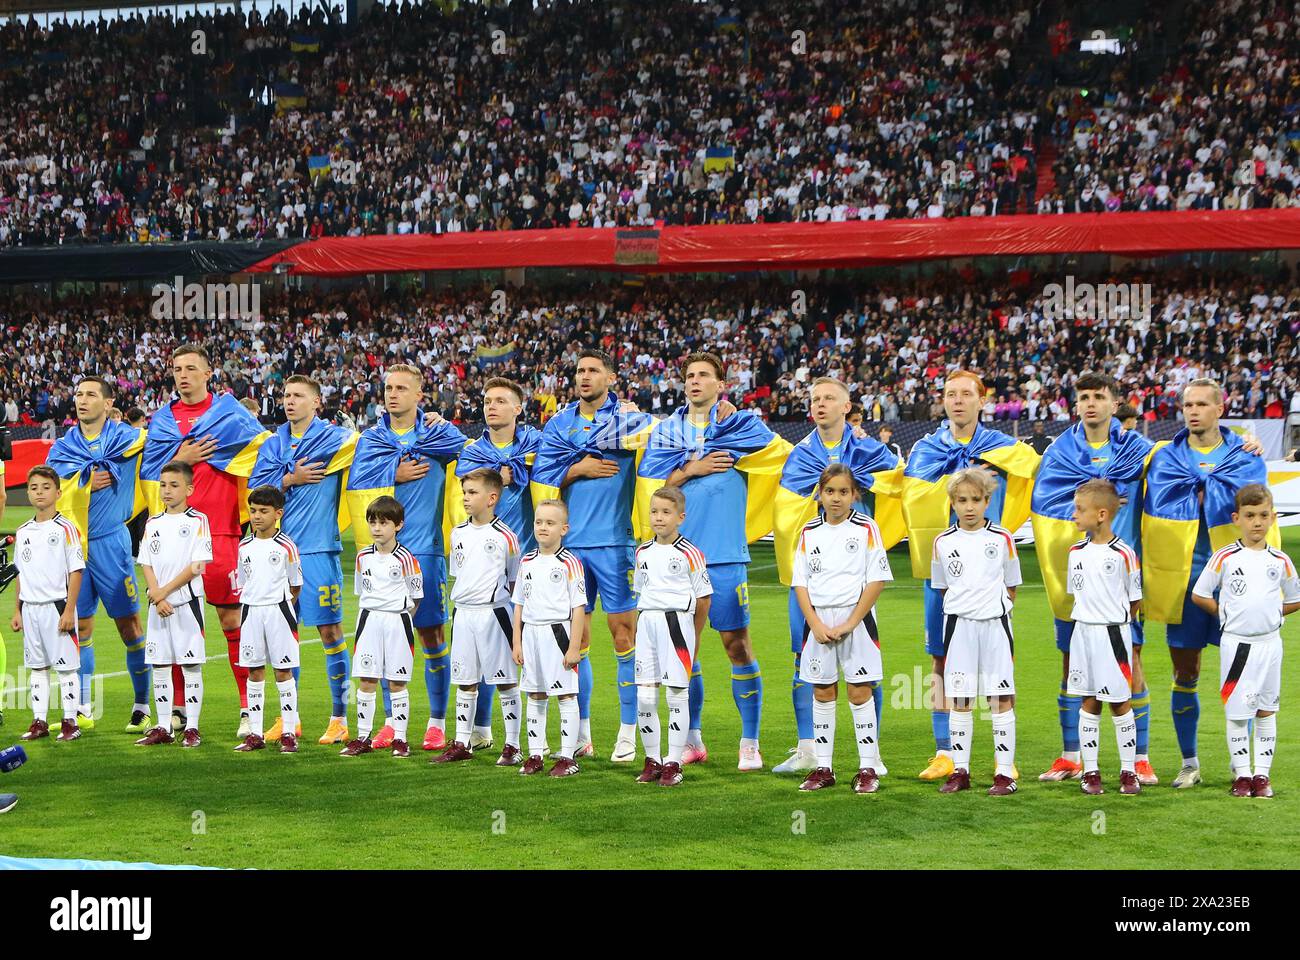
{"x":670,"y":576}
{"x":549,"y":586}
{"x":834,"y":561}
{"x":267,"y":568}
{"x":484,"y":561}
{"x":1252,"y":586}
{"x":975,"y":567}
{"x":173,"y":541}
{"x":45,"y":554}
{"x":1104,"y":578}
{"x":390,"y":582}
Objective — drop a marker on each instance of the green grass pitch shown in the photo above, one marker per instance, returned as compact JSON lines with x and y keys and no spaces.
{"x":102,"y":798}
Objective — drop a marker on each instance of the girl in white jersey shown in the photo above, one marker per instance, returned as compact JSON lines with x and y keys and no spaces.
{"x":1257,"y":586}
{"x":840,"y":568}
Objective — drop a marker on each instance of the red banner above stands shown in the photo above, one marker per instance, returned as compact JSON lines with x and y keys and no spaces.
{"x":27,"y":454}
{"x":798,"y":245}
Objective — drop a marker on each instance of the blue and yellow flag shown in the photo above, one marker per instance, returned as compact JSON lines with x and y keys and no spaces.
{"x":719,"y":158}
{"x":1172,"y":511}
{"x":878,"y":470}
{"x":486,"y":356}
{"x":118,"y":454}
{"x":484,"y":453}
{"x":378,"y":454}
{"x":614,"y":429}
{"x":238,"y":433}
{"x":758,"y":453}
{"x":289,"y":95}
{"x":938,"y":456}
{"x":304,"y":43}
{"x":323,"y":442}
{"x":1068,"y":463}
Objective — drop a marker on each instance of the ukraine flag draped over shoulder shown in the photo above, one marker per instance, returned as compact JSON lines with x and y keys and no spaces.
{"x":1171,"y":516}
{"x":239,"y":435}
{"x":323,"y":442}
{"x":520,"y":457}
{"x":612,"y":429}
{"x":73,"y":460}
{"x":374,"y":465}
{"x":938,"y":456}
{"x":757,"y":452}
{"x":875,"y":467}
{"x":1067,"y":464}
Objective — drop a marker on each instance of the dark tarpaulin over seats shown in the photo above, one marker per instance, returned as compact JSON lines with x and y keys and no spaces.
{"x":134,"y":261}
{"x":799,"y":245}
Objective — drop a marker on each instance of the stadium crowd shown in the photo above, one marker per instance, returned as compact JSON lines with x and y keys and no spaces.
{"x":892,"y":112}
{"x":891,"y":343}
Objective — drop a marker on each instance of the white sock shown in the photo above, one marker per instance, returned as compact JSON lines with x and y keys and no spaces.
{"x":1239,"y":747}
{"x":466,"y":701}
{"x":568,"y":726}
{"x":365,"y":713}
{"x":1126,"y":729}
{"x":401,"y":712}
{"x":584,"y":730}
{"x":1089,"y":737}
{"x":511,"y":715}
{"x":864,"y":731}
{"x":40,"y":694}
{"x":536,"y":727}
{"x":961,"y":723}
{"x":1072,"y":755}
{"x":288,"y":704}
{"x":162,"y":695}
{"x":1265,"y":743}
{"x":440,"y":723}
{"x":193,"y":694}
{"x":824,"y":733}
{"x":627,"y":731}
{"x":1004,"y":741}
{"x":481,"y":733}
{"x":647,"y":720}
{"x":693,"y":736}
{"x":256,"y":706}
{"x":805,"y":746}
{"x":70,"y":688}
{"x":678,"y":722}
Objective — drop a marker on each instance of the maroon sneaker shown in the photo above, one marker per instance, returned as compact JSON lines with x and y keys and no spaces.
{"x":957,"y":780}
{"x":251,"y":742}
{"x":191,"y":737}
{"x":37,"y":731}
{"x":651,"y":772}
{"x":671,"y":775}
{"x":510,"y":757}
{"x":1241,"y":787}
{"x":401,"y":751}
{"x":156,"y":736}
{"x":288,"y":743}
{"x":1003,"y":786}
{"x":357,"y":747}
{"x":818,"y":779}
{"x":564,"y":767}
{"x":1090,"y":783}
{"x":1129,"y":784}
{"x":866,"y":781}
{"x":533,"y":764}
{"x":1260,"y":788}
{"x":68,"y":731}
{"x":455,"y":751}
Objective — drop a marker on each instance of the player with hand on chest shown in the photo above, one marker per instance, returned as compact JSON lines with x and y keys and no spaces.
{"x":484,"y":564}
{"x":840,"y":569}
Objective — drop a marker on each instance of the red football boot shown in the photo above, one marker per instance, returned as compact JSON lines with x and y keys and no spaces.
{"x":671,"y":775}
{"x":1003,"y":786}
{"x":251,"y":742}
{"x":68,"y":731}
{"x":651,"y":772}
{"x":533,"y":764}
{"x":455,"y":751}
{"x":510,"y":756}
{"x":564,"y":767}
{"x":357,"y":747}
{"x":1090,"y":783}
{"x":866,"y":781}
{"x":1130,"y":785}
{"x":157,"y":736}
{"x":191,"y":737}
{"x":288,"y":743}
{"x":400,"y":750}
{"x":957,"y":781}
{"x":819,"y":779}
{"x":37,"y":731}
{"x":1242,"y":787}
{"x":1260,"y":787}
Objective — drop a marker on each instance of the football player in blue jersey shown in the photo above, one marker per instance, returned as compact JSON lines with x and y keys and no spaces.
{"x":306,"y":458}
{"x":110,"y":450}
